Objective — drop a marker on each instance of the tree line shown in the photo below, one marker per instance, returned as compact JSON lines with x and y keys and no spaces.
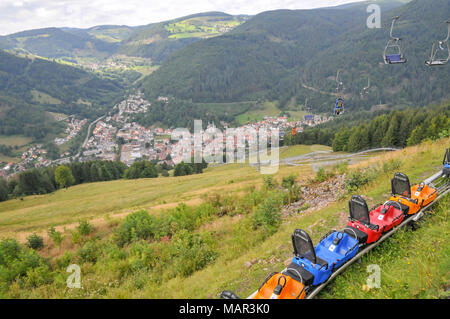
{"x":395,"y":129}
{"x":49,"y":179}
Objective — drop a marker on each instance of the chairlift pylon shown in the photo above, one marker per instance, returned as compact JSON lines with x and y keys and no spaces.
{"x":442,"y":46}
{"x":339,"y":106}
{"x":394,"y":44}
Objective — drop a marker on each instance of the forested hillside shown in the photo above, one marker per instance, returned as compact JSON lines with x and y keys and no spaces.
{"x":30,"y":87}
{"x":158,"y":40}
{"x":399,"y":128}
{"x":66,"y":89}
{"x":359,"y":54}
{"x":155,"y":41}
{"x":275,"y":54}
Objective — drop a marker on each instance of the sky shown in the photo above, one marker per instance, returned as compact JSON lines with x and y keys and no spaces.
{"x":19,"y":15}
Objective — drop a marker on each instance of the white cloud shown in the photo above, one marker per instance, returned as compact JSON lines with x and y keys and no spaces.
{"x":31,"y":14}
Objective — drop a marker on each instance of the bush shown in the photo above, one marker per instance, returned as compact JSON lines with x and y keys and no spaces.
{"x":138,"y":225}
{"x":321,"y":175}
{"x":17,"y":262}
{"x":89,"y":252}
{"x":55,"y":236}
{"x":359,"y":178}
{"x":84,"y":228}
{"x":192,"y":252}
{"x":288,"y":181}
{"x":270,"y":182}
{"x":35,"y":242}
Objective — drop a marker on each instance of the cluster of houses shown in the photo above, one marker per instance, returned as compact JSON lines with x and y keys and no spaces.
{"x":142,"y":143}
{"x":102,"y":144}
{"x":117,"y":137}
{"x":34,"y":157}
{"x":73,"y":128}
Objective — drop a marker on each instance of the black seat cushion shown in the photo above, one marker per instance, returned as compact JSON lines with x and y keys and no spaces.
{"x":293,"y":270}
{"x":320,"y":261}
{"x":360,"y":235}
{"x":405,"y":209}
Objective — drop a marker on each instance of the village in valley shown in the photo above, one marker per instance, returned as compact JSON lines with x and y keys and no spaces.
{"x":117,"y":136}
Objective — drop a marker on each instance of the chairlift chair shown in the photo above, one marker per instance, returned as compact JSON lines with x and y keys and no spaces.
{"x":437,"y":47}
{"x":365,"y":89}
{"x":339,"y":106}
{"x":394,"y":46}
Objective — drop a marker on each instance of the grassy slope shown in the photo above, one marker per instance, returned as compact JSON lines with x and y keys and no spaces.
{"x":229,"y":271}
{"x":234,"y":245}
{"x":94,"y":200}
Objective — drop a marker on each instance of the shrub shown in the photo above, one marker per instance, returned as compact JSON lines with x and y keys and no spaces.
{"x":267,"y":215}
{"x":16,"y":263}
{"x":321,"y":175}
{"x":192,"y":252}
{"x":138,"y":225}
{"x":288,"y":181}
{"x":89,"y":252}
{"x":35,"y":241}
{"x":55,"y":236}
{"x":38,"y":276}
{"x":359,"y":178}
{"x":84,"y":228}
{"x":270,"y":182}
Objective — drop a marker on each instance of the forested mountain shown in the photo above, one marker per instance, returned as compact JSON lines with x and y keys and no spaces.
{"x":155,"y":41}
{"x":57,"y":43}
{"x":275,"y":53}
{"x":158,"y":40}
{"x":359,"y":54}
{"x":29,"y":87}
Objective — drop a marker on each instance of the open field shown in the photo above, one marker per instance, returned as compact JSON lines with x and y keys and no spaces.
{"x":12,"y":140}
{"x":267,"y":109}
{"x":95,"y":200}
{"x":44,"y":98}
{"x":200,"y":27}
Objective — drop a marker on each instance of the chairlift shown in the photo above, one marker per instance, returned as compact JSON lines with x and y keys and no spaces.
{"x":440,"y":46}
{"x":393,"y":51}
{"x":365,"y":90}
{"x":339,"y":105}
{"x":340,"y":85}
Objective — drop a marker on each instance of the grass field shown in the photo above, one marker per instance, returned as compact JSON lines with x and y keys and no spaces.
{"x":197,"y":27}
{"x":258,"y":113}
{"x":131,"y":271}
{"x":12,"y":140}
{"x":95,"y":200}
{"x":44,"y":98}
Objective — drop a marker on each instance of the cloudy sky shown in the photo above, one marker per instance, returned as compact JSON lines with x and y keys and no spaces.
{"x":19,"y":15}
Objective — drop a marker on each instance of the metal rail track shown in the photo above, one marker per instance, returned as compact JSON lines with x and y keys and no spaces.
{"x":437,"y":181}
